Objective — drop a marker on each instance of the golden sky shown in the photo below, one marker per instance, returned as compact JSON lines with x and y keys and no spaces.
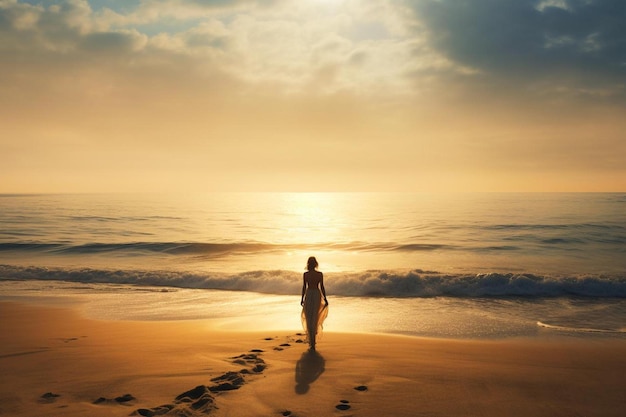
{"x":312,"y":95}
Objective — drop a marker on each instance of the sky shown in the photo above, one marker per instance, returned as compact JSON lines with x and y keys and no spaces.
{"x":312,"y":95}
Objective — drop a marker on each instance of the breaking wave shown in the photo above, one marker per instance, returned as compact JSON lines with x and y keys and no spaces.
{"x":416,"y":283}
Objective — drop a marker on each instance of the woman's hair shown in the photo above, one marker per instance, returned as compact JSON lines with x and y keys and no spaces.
{"x":311,"y":264}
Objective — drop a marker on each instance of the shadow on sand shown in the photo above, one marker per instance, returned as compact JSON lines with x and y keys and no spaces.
{"x":308,"y":369}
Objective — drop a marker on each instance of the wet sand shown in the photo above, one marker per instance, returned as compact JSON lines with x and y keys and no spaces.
{"x":55,"y":362}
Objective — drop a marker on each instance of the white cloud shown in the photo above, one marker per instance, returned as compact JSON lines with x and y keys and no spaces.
{"x":296,"y":47}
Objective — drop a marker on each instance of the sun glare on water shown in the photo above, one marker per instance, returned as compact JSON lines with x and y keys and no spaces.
{"x":313,"y":222}
{"x":311,"y":216}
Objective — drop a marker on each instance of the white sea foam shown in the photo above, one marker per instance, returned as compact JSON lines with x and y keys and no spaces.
{"x":580,"y":329}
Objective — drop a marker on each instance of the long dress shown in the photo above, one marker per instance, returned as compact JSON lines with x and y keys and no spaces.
{"x":314,"y":312}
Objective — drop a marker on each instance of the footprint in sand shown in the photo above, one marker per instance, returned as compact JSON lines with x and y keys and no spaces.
{"x":157,"y":411}
{"x":282,"y":346}
{"x":122,"y":399}
{"x":290,"y":339}
{"x":227,"y":382}
{"x":250,"y":359}
{"x":48,"y":397}
{"x":198,"y":399}
{"x":343,"y":405}
{"x":201,"y":399}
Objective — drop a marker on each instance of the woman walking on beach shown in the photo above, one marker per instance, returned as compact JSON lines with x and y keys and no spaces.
{"x":313,"y":311}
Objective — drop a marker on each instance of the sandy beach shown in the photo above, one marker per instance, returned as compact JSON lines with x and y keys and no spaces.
{"x":54,"y":362}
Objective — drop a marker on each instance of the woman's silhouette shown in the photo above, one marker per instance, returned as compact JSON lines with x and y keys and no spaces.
{"x":313,"y":311}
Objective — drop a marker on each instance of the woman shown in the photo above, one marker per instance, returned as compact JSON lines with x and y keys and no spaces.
{"x":313,"y":311}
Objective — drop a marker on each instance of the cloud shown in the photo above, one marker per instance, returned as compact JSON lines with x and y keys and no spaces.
{"x":383,"y":92}
{"x":578,"y":47}
{"x":290,"y":48}
{"x":556,"y":48}
{"x":171,"y":15}
{"x":113,"y":42}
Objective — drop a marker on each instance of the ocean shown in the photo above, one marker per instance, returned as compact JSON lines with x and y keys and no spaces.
{"x":490,"y":265}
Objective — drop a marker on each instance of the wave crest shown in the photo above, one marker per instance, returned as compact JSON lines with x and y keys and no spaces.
{"x":416,"y":283}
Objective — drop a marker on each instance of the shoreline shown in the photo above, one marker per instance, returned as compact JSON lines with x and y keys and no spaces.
{"x":474,"y":318}
{"x":92,"y":365}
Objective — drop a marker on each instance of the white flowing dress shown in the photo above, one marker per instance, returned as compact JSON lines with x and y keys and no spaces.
{"x":314,"y":312}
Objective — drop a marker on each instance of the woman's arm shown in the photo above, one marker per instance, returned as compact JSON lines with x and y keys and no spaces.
{"x":303,"y":288}
{"x":322,"y":288}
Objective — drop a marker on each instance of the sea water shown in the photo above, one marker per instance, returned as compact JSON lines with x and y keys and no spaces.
{"x":440,"y":265}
